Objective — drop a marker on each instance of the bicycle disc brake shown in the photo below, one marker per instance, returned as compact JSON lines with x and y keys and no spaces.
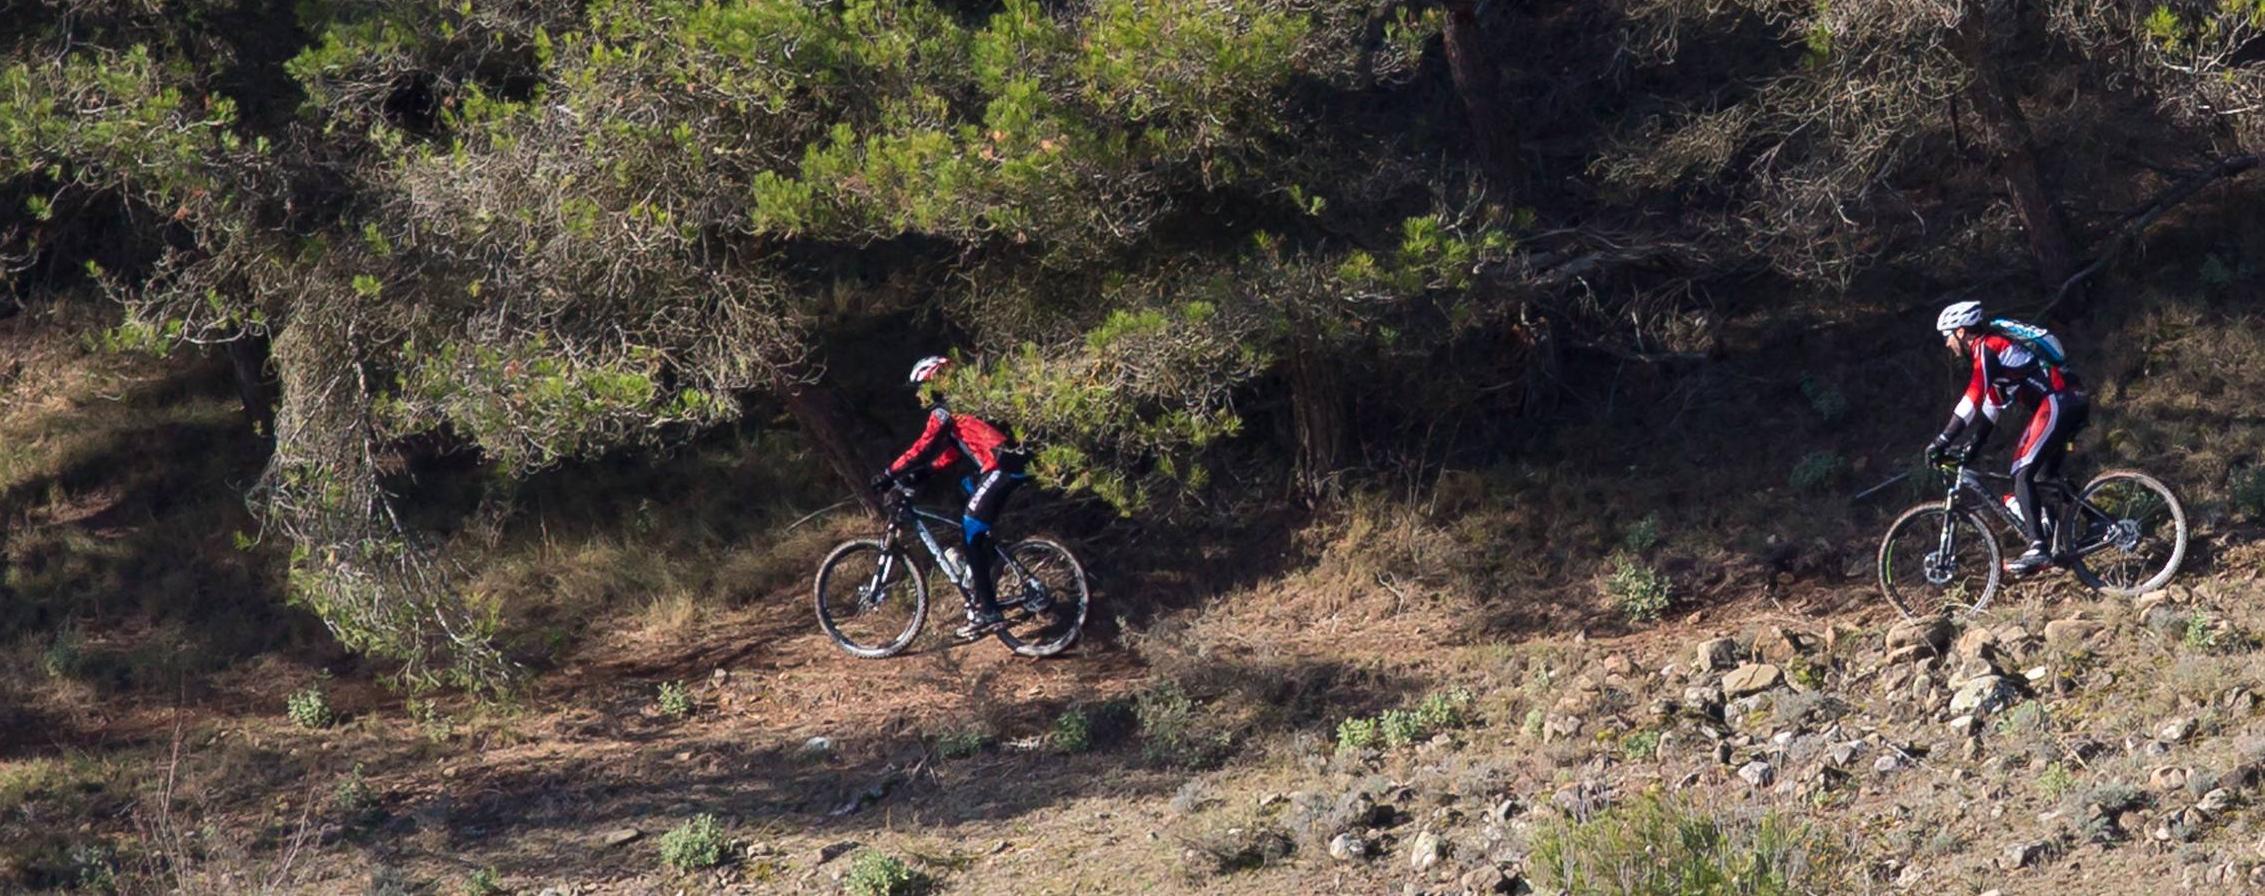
{"x":1036,"y":599}
{"x":2124,"y":534}
{"x":1939,"y":569}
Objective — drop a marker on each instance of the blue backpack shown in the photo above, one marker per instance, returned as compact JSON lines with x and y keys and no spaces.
{"x":2038,"y":340}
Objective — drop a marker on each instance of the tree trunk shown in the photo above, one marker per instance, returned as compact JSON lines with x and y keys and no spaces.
{"x":248,"y":356}
{"x":818,"y":411}
{"x":1474,"y":85}
{"x":1317,"y":412}
{"x":2000,"y":112}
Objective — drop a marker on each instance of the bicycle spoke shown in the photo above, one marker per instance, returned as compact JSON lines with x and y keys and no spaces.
{"x":871,"y":604}
{"x":1926,"y":568}
{"x":2141,"y":533}
{"x":1047,"y":589}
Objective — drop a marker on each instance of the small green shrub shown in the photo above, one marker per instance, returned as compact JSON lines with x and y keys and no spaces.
{"x":1801,"y":671}
{"x":1443,"y":711}
{"x":1639,"y":589}
{"x":2246,"y":492}
{"x":310,"y":708}
{"x":1357,"y":733}
{"x":352,"y":795}
{"x":2055,"y":781}
{"x":1652,"y":846}
{"x":1642,"y":536}
{"x":1173,"y":730}
{"x":1072,"y":732}
{"x":432,"y":721}
{"x":65,"y":654}
{"x":962,"y":744}
{"x":1396,"y":728}
{"x":484,"y":882}
{"x":1638,"y":746}
{"x":1824,"y":398}
{"x":1534,"y":722}
{"x":2200,"y":634}
{"x":1815,"y":470}
{"x":2024,"y":719}
{"x":94,"y":868}
{"x":880,"y":874}
{"x":695,"y":844}
{"x":675,"y":699}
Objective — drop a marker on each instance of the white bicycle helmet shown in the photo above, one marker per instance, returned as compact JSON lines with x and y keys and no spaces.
{"x":926,"y":368}
{"x":1959,"y":314}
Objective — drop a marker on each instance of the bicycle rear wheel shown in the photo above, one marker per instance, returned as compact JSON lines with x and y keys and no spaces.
{"x":1919,"y":579}
{"x":2132,"y":534}
{"x":865,"y":614}
{"x":1046,"y":608}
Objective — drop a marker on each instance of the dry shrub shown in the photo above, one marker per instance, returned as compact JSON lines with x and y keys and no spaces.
{"x":1657,"y":846}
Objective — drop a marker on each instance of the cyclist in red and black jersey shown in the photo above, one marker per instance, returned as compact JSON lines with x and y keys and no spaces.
{"x":2006,"y":371}
{"x":948,"y":439}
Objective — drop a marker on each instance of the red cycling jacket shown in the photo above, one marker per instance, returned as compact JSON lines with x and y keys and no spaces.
{"x":949,"y":437}
{"x":2005,"y":371}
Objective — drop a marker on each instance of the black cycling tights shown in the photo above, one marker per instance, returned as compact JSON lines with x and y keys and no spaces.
{"x":984,"y":505}
{"x":2043,"y":445}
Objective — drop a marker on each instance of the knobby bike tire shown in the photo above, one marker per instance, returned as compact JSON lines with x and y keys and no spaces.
{"x":1908,"y":589}
{"x":1054,"y":631}
{"x":831,"y":615}
{"x":2085,"y":571}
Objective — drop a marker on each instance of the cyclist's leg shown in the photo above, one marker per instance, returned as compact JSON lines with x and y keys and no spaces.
{"x":984,"y":506}
{"x":2075,"y":411}
{"x":2037,"y":444}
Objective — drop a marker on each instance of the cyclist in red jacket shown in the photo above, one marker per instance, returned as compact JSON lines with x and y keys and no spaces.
{"x":948,"y":439}
{"x":2011,"y":364}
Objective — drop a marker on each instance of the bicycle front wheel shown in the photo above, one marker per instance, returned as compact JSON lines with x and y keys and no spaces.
{"x":1045,"y":599}
{"x":2131,"y":536}
{"x":871,"y":601}
{"x":1921,"y":578}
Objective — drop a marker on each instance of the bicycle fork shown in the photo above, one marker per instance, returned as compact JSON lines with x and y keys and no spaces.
{"x":1939,"y":565}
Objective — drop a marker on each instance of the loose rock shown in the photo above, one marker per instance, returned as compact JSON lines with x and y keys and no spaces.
{"x":1774,"y":644}
{"x":1931,"y":633}
{"x":2069,"y":634}
{"x":1424,"y":852}
{"x":1984,"y":695}
{"x":1485,"y":879}
{"x":2021,"y":855}
{"x":1348,"y":847}
{"x":1758,"y":773}
{"x":1716,"y":653}
{"x":1752,"y":678}
{"x":832,"y":851}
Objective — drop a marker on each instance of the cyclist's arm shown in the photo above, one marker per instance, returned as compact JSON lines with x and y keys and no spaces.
{"x":1978,"y":408}
{"x":932,"y":446}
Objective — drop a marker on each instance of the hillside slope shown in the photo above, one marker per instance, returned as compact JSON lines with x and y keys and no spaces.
{"x":1431,"y":694}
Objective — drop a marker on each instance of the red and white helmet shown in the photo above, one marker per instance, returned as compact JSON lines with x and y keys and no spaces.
{"x":927,"y":367}
{"x":1959,"y":314}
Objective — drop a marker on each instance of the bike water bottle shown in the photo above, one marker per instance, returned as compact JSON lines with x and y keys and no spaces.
{"x":2013,"y":506}
{"x":955,"y":565}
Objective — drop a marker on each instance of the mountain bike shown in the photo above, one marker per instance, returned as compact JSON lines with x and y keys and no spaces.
{"x":2123,"y":533}
{"x":873,"y":599}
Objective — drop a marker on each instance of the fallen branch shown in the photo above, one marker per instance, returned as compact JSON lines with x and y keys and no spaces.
{"x":2136,"y":224}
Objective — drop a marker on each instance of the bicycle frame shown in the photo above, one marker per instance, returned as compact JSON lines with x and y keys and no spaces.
{"x":2055,"y":495}
{"x":908,"y":517}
